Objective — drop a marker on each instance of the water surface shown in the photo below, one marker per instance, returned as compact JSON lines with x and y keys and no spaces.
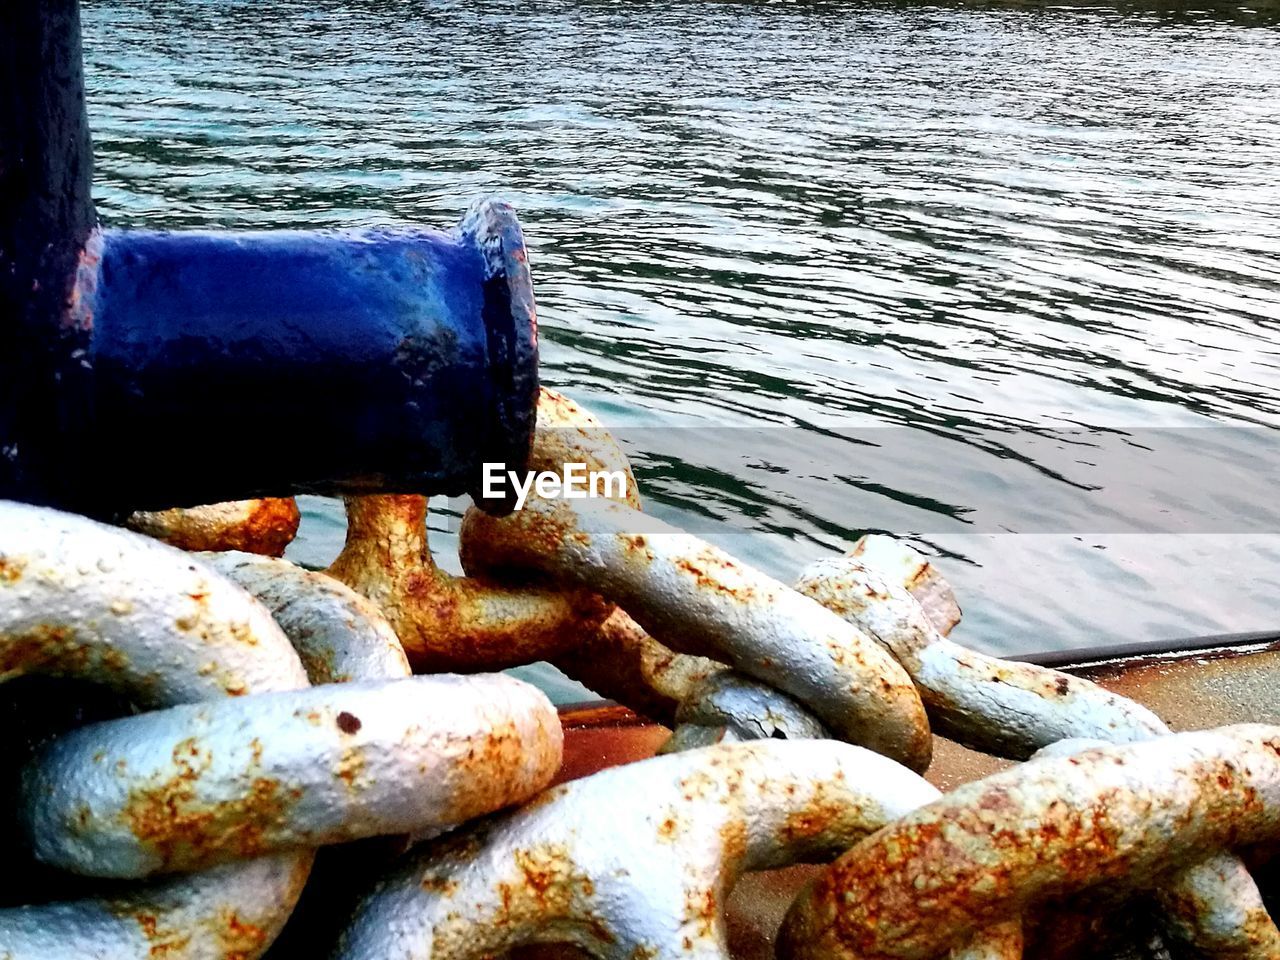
{"x":1003,"y":281}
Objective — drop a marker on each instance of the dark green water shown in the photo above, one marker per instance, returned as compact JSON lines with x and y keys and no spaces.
{"x":1001,"y":280}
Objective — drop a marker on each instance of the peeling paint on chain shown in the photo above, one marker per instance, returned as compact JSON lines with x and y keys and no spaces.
{"x":1013,"y":709}
{"x":635,"y":861}
{"x":1125,"y":816}
{"x":187,"y":787}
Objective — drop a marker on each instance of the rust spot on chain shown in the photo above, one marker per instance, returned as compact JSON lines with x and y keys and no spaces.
{"x":546,"y":889}
{"x":701,"y":909}
{"x":49,"y":646}
{"x":11,"y":570}
{"x":716,"y":572}
{"x":163,"y":943}
{"x":815,"y":818}
{"x":669,"y":828}
{"x":237,"y":938}
{"x":350,"y":766}
{"x":170,"y":820}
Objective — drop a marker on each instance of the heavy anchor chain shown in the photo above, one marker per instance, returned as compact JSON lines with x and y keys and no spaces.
{"x":993,"y":705}
{"x":477,"y":623}
{"x":270,"y":774}
{"x":1123,"y":817}
{"x":636,"y":861}
{"x":1013,"y":709}
{"x":717,"y":705}
{"x":695,"y":598}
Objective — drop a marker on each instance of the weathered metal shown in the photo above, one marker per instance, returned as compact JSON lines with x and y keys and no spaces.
{"x":1122,"y":817}
{"x":339,"y":634}
{"x":46,"y":221}
{"x":695,"y":598}
{"x":998,"y":706}
{"x":599,"y":735}
{"x":1212,"y":908}
{"x":898,"y":563}
{"x":727,"y":707}
{"x":1214,"y":682}
{"x":265,"y":526}
{"x":185,"y":787}
{"x":1014,"y":709}
{"x":80,"y":599}
{"x":476,"y":622}
{"x":195,"y":785}
{"x":402,"y":359}
{"x":1241,"y":668}
{"x":446,"y":622}
{"x":619,"y":660}
{"x":633,"y":862}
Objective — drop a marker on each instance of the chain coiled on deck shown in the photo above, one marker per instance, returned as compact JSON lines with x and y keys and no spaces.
{"x":213,"y":800}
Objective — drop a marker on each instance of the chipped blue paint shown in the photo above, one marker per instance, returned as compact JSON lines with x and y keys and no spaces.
{"x":151,"y":369}
{"x":292,"y":361}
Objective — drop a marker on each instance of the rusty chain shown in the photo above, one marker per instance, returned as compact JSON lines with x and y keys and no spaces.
{"x":1014,"y":709}
{"x":695,"y":598}
{"x":212,"y":802}
{"x":279,"y":768}
{"x":984,"y":855}
{"x":635,"y":861}
{"x":265,"y":526}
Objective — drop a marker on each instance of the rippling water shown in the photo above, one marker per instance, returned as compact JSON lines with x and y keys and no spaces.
{"x":1002,"y":281}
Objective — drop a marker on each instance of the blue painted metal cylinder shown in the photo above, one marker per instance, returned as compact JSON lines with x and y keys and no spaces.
{"x":229,"y":365}
{"x":144,"y":370}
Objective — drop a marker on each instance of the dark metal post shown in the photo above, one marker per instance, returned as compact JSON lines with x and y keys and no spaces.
{"x":150,"y":369}
{"x":46,"y":216}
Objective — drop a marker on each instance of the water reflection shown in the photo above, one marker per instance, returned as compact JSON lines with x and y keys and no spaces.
{"x":980,"y":226}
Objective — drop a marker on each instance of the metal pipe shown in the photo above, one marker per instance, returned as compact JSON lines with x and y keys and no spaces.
{"x":396,"y":360}
{"x":46,"y":221}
